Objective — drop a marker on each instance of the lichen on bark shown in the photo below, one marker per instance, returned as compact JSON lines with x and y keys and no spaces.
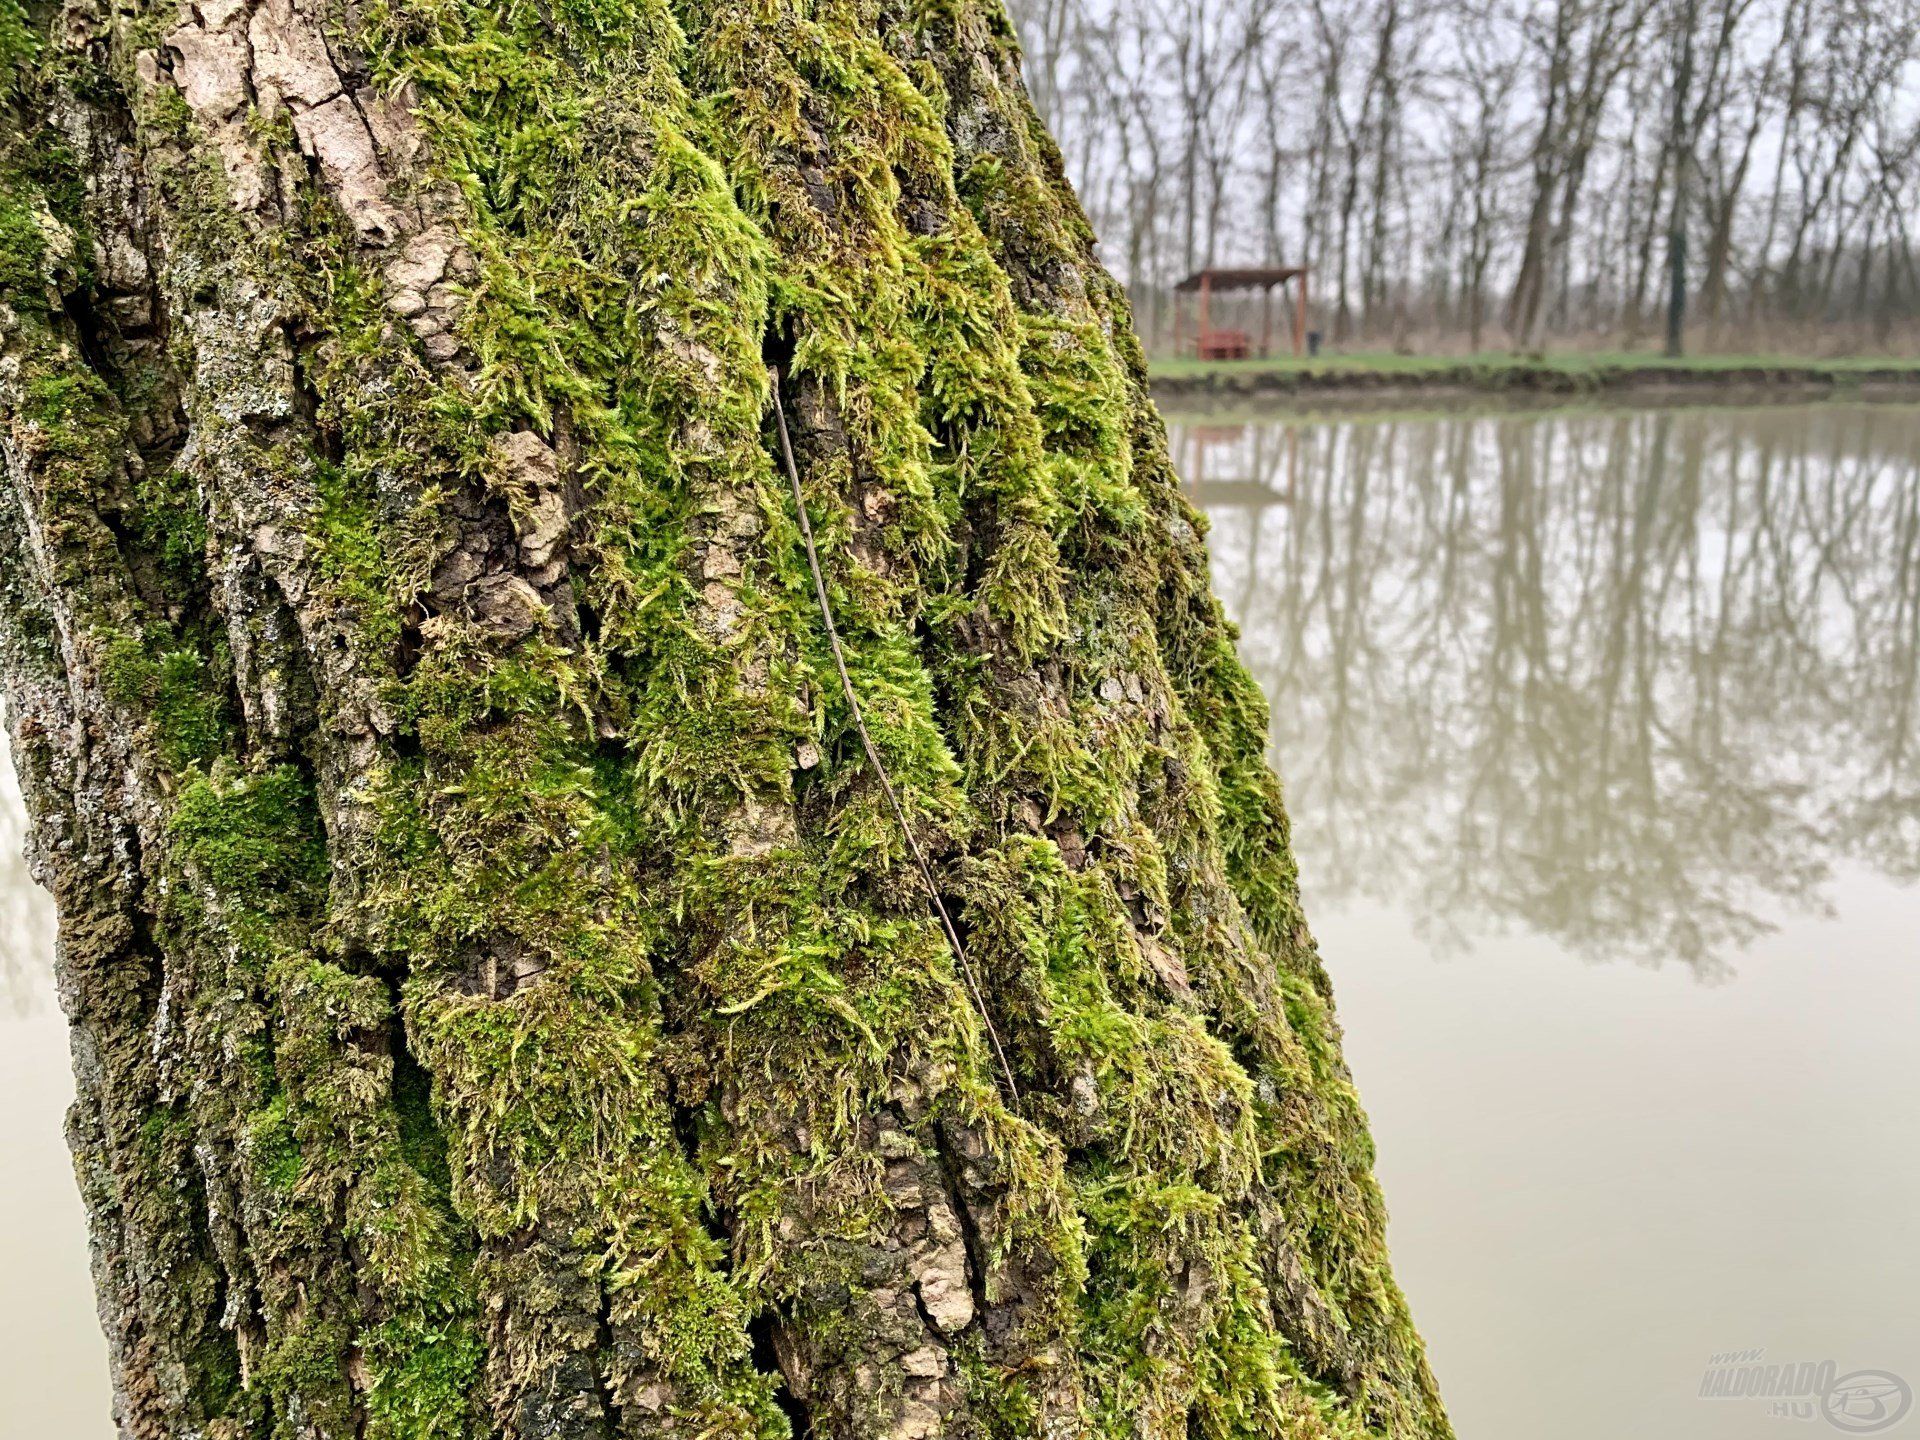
{"x":504,"y":1001}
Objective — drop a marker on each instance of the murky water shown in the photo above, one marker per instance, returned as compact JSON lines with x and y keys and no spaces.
{"x":1600,"y":742}
{"x":53,"y":1361}
{"x":1600,"y":739}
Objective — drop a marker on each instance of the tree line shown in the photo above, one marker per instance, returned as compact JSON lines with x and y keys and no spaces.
{"x":1504,"y":172}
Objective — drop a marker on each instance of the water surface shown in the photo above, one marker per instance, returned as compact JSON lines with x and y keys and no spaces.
{"x":1599,"y":737}
{"x":53,"y":1361}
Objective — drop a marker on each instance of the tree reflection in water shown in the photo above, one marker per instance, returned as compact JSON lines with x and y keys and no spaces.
{"x":26,"y":914}
{"x":1635,"y":679}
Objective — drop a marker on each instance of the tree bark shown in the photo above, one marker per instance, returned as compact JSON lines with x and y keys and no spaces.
{"x":504,"y":1001}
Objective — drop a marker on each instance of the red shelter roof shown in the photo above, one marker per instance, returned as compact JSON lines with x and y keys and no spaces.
{"x":1253,"y":277}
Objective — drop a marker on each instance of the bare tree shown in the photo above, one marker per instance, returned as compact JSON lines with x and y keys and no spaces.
{"x":1746,"y":158}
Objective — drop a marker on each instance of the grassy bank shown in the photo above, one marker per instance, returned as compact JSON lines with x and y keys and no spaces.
{"x":1386,"y":375}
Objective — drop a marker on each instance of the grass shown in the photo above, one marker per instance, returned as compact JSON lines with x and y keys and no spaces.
{"x":1595,"y":364}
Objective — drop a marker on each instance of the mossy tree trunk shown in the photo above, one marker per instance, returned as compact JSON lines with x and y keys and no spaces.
{"x":504,"y":1002}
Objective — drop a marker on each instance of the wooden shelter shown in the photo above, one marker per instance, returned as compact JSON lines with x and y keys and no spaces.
{"x":1210,"y":343}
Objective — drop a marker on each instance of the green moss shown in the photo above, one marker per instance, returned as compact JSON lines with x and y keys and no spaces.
{"x":19,"y":43}
{"x":39,"y":183}
{"x":255,"y":837}
{"x":957,"y":399}
{"x":174,"y":689}
{"x":23,"y":245}
{"x":171,"y":528}
{"x":305,"y":1370}
{"x":353,"y":559}
{"x":426,"y":1375}
{"x":273,"y":1150}
{"x":217,"y":1381}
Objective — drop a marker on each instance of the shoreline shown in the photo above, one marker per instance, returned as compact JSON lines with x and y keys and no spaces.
{"x":1352,"y":381}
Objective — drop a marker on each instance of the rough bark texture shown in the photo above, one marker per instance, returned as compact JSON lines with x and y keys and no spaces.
{"x":503,"y":1001}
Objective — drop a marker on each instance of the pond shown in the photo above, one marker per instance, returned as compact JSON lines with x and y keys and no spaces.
{"x":1600,"y":741}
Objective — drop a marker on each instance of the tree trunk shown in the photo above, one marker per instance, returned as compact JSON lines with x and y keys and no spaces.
{"x":1681,"y":143}
{"x":506,"y":996}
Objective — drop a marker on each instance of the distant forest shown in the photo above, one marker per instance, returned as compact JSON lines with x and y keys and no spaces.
{"x":1460,"y":174}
